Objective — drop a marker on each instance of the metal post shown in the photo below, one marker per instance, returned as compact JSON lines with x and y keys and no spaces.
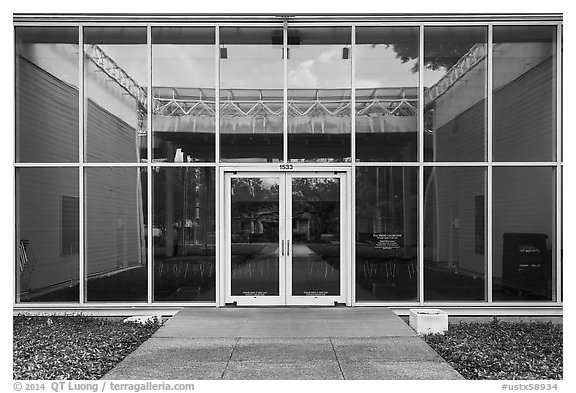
{"x":490,"y":158}
{"x":421,"y":167}
{"x":150,"y":136}
{"x":81,"y":127}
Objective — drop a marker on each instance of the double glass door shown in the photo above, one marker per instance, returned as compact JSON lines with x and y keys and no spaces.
{"x":284,"y":238}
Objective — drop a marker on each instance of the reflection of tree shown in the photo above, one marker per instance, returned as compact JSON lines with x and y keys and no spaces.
{"x":183,"y":202}
{"x":384,"y":196}
{"x":255,"y":204}
{"x":316,"y":189}
{"x":437,"y":54}
{"x":254,"y":189}
{"x":320,"y":199}
{"x":251,"y":198}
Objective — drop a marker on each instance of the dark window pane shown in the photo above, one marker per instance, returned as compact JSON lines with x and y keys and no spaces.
{"x":46,"y":269}
{"x":524,"y":86}
{"x":70,"y":229}
{"x":319,"y":92}
{"x":454,"y":237}
{"x":184,"y":234}
{"x":115,"y":80}
{"x":251,"y":97}
{"x":386,"y":93}
{"x":255,"y":228}
{"x":316,"y":236}
{"x":386,"y":233}
{"x":183,"y":80}
{"x":455,"y":93}
{"x":115,"y":228}
{"x":46,"y":94}
{"x":524,"y":236}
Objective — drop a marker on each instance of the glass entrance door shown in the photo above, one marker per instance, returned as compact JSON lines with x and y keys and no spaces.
{"x":284,"y":235}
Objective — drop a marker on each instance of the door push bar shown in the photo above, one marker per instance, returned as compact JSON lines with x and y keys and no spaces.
{"x":287,"y":247}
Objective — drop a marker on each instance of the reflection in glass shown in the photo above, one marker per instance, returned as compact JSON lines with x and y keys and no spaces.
{"x":255,"y":226}
{"x":319,"y":91}
{"x":47,"y":235}
{"x":454,"y":233}
{"x":316,"y":236}
{"x":455,"y":93}
{"x":184,"y":234}
{"x":524,"y":237}
{"x":115,"y":234}
{"x":183,"y":80}
{"x":46,"y":94}
{"x":386,"y":233}
{"x":251,"y":95}
{"x":386,"y":93}
{"x":115,"y":69}
{"x":524,"y":86}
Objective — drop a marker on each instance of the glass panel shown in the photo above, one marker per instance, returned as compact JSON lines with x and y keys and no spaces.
{"x":184,"y":234}
{"x":455,"y":93}
{"x":115,"y":75}
{"x":183,"y":80}
{"x":255,"y":204}
{"x":524,"y":234}
{"x":47,"y":235}
{"x":386,"y":233}
{"x":316,"y":236}
{"x":115,"y":228}
{"x":455,"y":233}
{"x":524,"y":86}
{"x":319,"y":90}
{"x":46,"y":94}
{"x":386,"y":93}
{"x":251,"y":94}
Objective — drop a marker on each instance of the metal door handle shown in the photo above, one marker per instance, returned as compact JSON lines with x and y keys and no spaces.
{"x":288,"y":247}
{"x":282,"y":247}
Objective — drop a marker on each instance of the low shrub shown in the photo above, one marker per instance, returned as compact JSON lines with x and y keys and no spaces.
{"x":72,"y":347}
{"x":502,"y":350}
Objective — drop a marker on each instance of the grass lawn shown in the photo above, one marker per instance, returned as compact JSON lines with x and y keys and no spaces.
{"x":502,"y":350}
{"x":72,"y":347}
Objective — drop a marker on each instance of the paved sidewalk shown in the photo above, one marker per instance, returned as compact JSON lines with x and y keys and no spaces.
{"x":284,"y":343}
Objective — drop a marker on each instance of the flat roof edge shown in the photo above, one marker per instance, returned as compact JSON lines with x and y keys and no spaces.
{"x":270,"y":18}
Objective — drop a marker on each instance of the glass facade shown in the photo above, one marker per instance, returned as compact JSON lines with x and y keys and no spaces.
{"x":387,"y":78}
{"x":319,"y":91}
{"x":524,"y":69}
{"x":184,"y":237}
{"x":524,"y":235}
{"x":47,"y":80}
{"x":115,"y":113}
{"x":47,"y":235}
{"x":455,"y":252}
{"x":455,"y":79}
{"x":183,"y":88}
{"x":115,"y":214}
{"x":254,"y":240}
{"x":387,"y":233}
{"x":447,"y":135}
{"x":251,"y":95}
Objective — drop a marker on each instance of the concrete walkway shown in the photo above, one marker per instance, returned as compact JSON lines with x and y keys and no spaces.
{"x":284,"y":343}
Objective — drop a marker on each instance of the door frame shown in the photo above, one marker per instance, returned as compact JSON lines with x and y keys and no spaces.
{"x":346,"y":265}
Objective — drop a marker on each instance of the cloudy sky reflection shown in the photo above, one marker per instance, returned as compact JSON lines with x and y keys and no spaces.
{"x":260,"y":66}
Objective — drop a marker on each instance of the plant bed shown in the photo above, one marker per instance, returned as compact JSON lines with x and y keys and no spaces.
{"x":72,"y":347}
{"x":502,"y":350}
